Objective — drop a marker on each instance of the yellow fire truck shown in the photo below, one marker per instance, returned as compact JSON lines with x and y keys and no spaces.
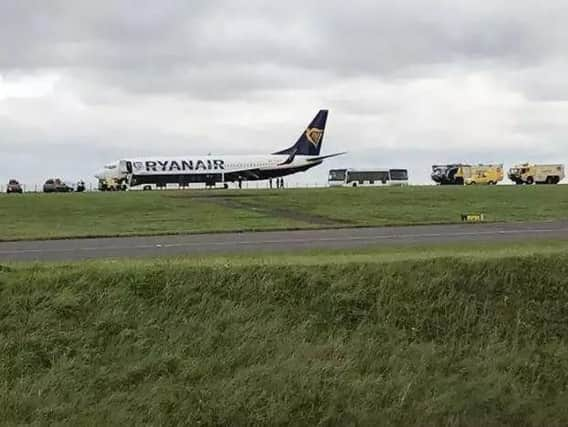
{"x":539,"y":174}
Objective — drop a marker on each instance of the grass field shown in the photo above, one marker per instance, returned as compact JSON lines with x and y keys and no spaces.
{"x":143,"y":213}
{"x":391,"y":337}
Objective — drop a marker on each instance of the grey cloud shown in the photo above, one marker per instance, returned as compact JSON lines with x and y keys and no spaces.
{"x":143,"y":46}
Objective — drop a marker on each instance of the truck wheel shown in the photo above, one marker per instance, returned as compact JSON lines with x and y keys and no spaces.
{"x":354,"y":184}
{"x":530,"y":180}
{"x":492,"y":183}
{"x":549,"y":180}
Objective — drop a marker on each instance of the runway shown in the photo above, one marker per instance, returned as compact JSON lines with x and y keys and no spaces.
{"x":236,"y":243}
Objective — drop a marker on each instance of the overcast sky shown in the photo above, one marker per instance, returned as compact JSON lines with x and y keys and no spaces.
{"x":408,"y":83}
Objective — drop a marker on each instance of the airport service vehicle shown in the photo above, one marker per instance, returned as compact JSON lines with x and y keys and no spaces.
{"x":460,"y":174}
{"x":14,"y":187}
{"x":367,"y":177}
{"x":483,"y":174}
{"x":539,"y":174}
{"x":213,"y":170}
{"x":112,"y":184}
{"x":55,"y":185}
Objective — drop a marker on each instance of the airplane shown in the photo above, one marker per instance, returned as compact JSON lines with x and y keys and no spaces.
{"x":211,"y":170}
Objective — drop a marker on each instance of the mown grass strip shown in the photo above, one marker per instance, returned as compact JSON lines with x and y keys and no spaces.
{"x":40,"y":216}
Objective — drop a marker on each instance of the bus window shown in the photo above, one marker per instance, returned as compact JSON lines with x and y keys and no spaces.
{"x":337,"y":175}
{"x":362,"y":176}
{"x":399,"y":175}
{"x":370,"y":177}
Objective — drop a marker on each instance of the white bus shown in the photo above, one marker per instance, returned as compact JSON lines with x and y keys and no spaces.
{"x":367,"y":177}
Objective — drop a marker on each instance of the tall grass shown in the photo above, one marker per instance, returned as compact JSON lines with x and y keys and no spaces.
{"x":148,"y":213}
{"x":444,"y":341}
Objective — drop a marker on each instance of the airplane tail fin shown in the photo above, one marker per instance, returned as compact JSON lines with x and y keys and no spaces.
{"x":311,"y":140}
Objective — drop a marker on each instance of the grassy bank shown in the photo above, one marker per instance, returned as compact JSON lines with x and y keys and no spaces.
{"x":144,"y":213}
{"x":344,"y":339}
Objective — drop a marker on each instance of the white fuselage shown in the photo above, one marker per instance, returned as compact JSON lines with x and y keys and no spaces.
{"x":230,"y":168}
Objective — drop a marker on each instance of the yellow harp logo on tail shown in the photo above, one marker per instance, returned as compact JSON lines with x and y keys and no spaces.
{"x":314,"y":135}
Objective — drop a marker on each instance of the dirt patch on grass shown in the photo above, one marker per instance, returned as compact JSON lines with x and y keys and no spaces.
{"x":248,"y":203}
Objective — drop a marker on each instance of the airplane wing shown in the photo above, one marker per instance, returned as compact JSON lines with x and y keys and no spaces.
{"x":252,"y":173}
{"x":243,"y":174}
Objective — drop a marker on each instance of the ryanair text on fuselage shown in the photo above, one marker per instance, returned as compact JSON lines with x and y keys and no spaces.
{"x":180,"y":165}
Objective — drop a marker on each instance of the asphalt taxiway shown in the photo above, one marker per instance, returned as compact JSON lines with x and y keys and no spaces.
{"x":290,"y":241}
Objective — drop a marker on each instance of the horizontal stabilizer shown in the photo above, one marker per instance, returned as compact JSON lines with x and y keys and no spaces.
{"x":321,"y":158}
